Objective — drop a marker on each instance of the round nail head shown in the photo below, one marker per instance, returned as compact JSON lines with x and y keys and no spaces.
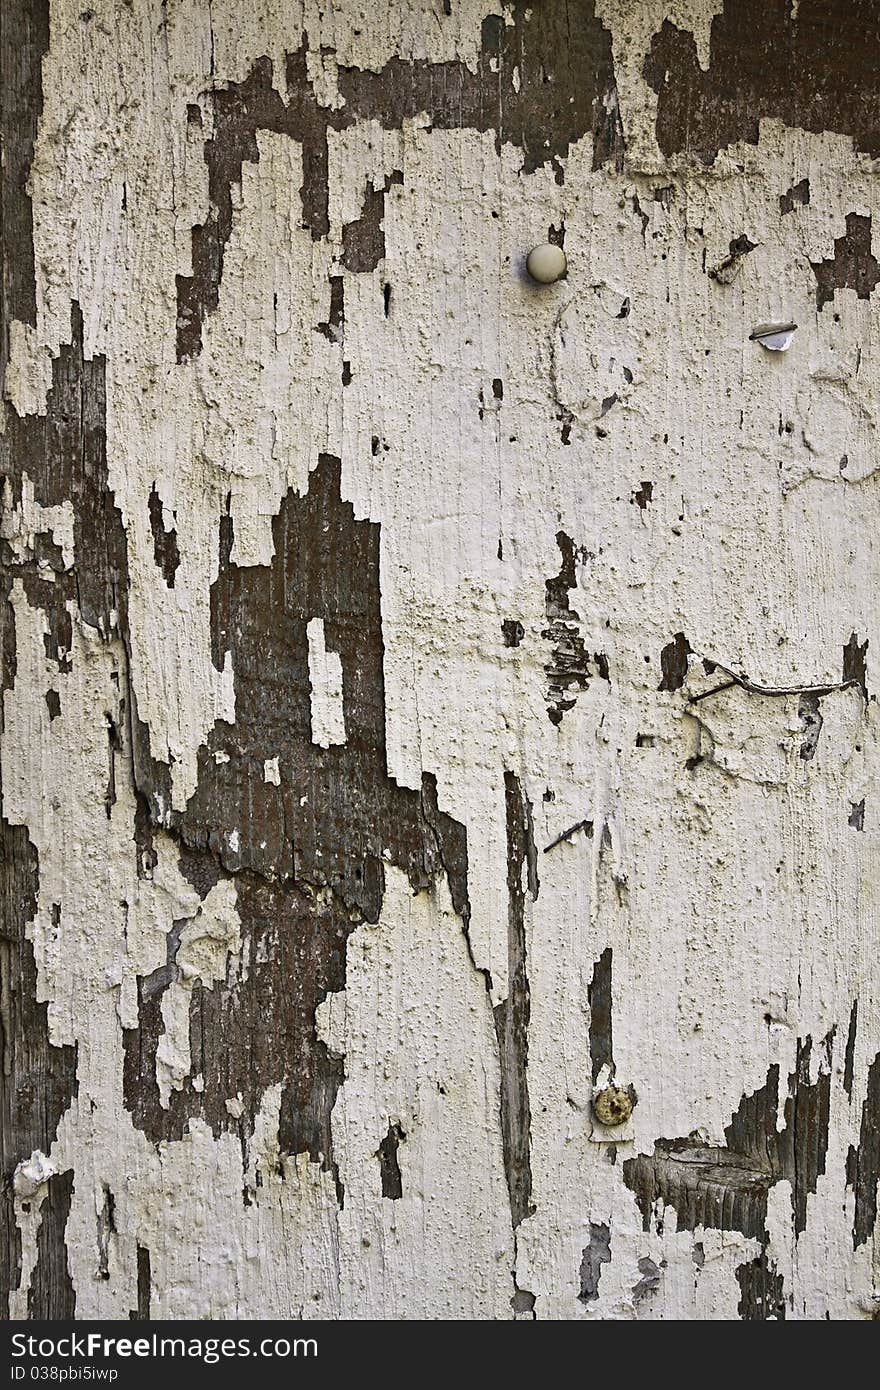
{"x":546,"y":263}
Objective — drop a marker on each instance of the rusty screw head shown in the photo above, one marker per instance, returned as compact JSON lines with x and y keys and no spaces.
{"x":613,"y":1105}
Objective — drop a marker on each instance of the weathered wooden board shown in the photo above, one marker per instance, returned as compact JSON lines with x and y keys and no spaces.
{"x":431,"y":699}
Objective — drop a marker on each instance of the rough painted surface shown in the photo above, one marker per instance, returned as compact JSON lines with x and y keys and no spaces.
{"x":430,"y":699}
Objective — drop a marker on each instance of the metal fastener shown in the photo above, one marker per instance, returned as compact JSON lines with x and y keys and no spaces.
{"x":613,"y":1105}
{"x":546,"y":263}
{"x":775,"y":336}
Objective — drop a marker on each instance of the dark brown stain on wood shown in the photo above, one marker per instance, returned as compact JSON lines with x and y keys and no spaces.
{"x":640,"y":213}
{"x":542,"y":82}
{"x":307,"y":856}
{"x":762,"y":1290}
{"x":165,"y":550}
{"x":600,"y":1001}
{"x":727,"y":1188}
{"x":389,"y":1166}
{"x":512,"y":1014}
{"x":596,"y":1254}
{"x":51,"y":1296}
{"x":817,"y":71}
{"x":115,"y":748}
{"x":363,"y":241}
{"x":798,"y":196}
{"x":66,"y":451}
{"x":674,"y":663}
{"x":863,"y":1162}
{"x":569,"y":663}
{"x":58,"y":641}
{"x":853,"y":265}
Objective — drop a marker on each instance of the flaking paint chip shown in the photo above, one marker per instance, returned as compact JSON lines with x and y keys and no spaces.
{"x":31,"y":1174}
{"x":776,"y":337}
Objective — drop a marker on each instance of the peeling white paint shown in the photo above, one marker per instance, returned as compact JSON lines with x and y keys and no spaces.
{"x":732,"y":891}
{"x":325,"y":674}
{"x":32,"y":1174}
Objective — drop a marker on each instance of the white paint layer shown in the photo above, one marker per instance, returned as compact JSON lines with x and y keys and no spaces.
{"x":616,"y":430}
{"x":325,"y":674}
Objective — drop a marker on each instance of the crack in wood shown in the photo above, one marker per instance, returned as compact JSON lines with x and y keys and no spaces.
{"x":512,"y":1014}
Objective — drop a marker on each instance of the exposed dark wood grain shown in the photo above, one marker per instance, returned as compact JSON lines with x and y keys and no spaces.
{"x":863,"y":1161}
{"x":51,"y":1296}
{"x":762,"y":1290}
{"x":509,"y":93}
{"x":600,"y":1000}
{"x":816,"y":70}
{"x":24,"y":38}
{"x":307,"y":856}
{"x":853,"y":265}
{"x":727,"y":1188}
{"x":512,"y":1014}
